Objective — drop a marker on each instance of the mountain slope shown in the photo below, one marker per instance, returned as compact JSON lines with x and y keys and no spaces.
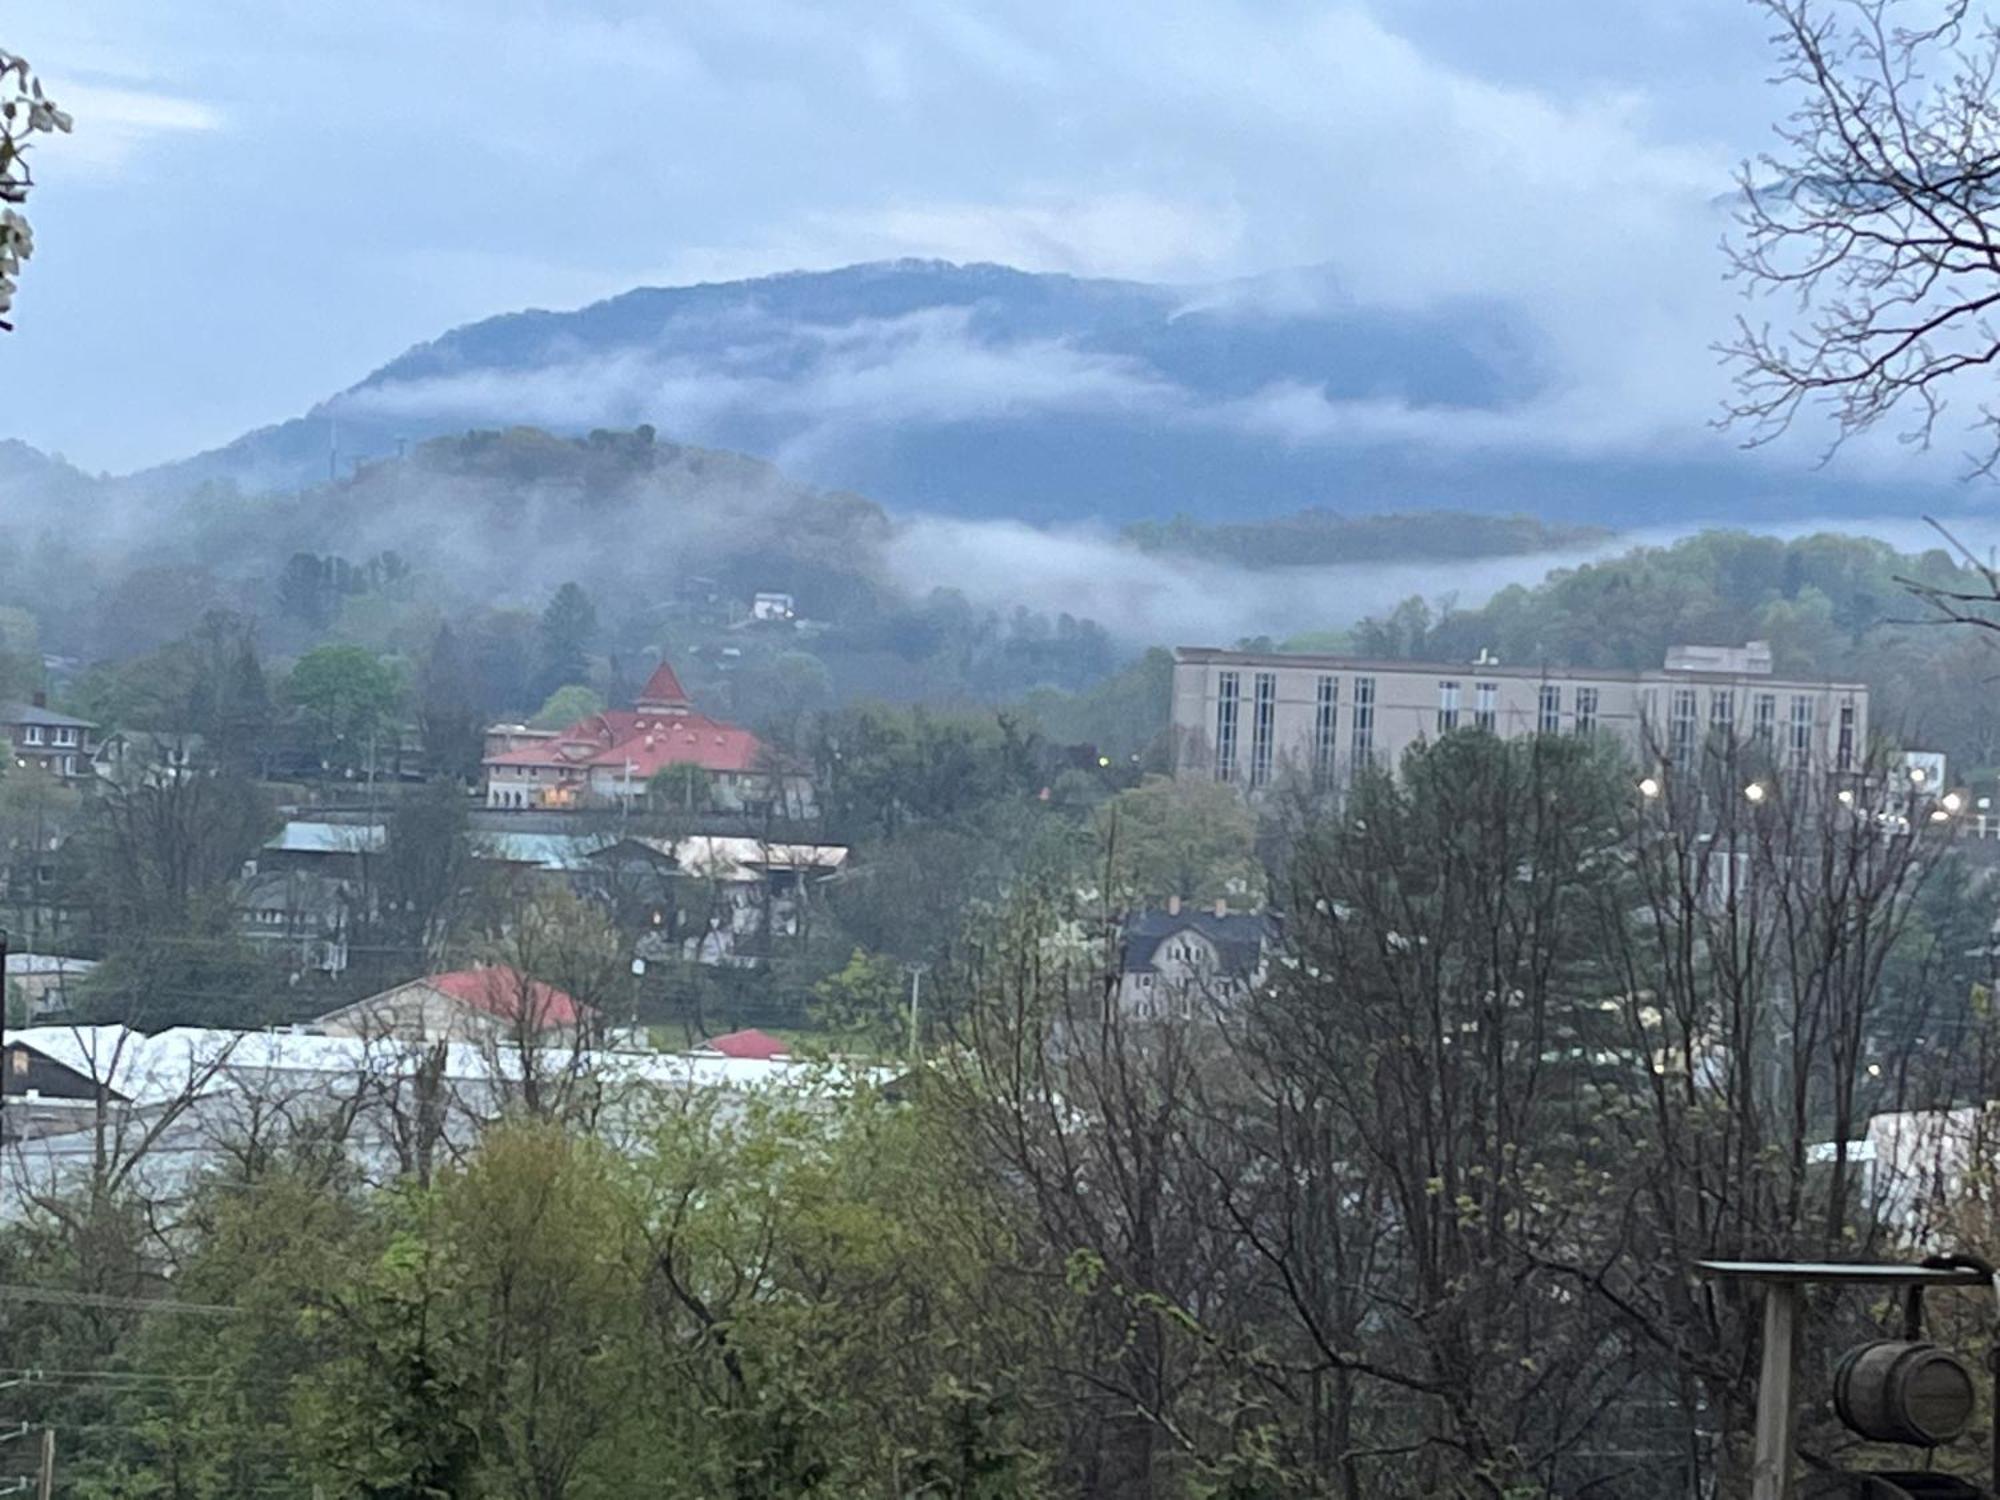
{"x":980,"y":391}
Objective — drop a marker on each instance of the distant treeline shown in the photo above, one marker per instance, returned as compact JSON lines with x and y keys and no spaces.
{"x":1319,"y":536}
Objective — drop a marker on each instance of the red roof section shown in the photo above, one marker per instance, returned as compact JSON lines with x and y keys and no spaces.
{"x":662,"y":731}
{"x":752,"y":1043}
{"x":663,"y":689}
{"x":500,"y":991}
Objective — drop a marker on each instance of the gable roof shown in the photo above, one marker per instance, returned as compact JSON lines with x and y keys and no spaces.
{"x":748,"y":1043}
{"x":34,"y":713}
{"x":1238,"y":937}
{"x":504,"y":992}
{"x":663,"y":689}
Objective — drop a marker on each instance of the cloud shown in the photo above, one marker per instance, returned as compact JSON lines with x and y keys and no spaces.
{"x":113,"y":122}
{"x":926,"y":367}
{"x":1132,"y":234}
{"x":1146,"y":599}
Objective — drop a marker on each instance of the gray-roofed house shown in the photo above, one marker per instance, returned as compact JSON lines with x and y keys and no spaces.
{"x":1180,"y":963}
{"x":61,"y":744}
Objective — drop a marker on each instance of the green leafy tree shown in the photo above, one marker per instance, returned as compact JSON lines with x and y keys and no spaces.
{"x":1192,"y":839}
{"x":865,"y":1002}
{"x":566,"y":705}
{"x":345,"y":699}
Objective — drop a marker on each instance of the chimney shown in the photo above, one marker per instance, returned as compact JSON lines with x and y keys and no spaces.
{"x":1222,"y":906}
{"x":1173,"y":906}
{"x":41,"y":699}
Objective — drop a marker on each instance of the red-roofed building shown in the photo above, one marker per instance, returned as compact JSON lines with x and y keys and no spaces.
{"x":466,"y":1005}
{"x":751,"y":1043}
{"x":610,"y":757}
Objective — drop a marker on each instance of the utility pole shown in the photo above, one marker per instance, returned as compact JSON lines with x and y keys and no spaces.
{"x":4,"y":997}
{"x":45,"y":1488}
{"x":916,"y":989}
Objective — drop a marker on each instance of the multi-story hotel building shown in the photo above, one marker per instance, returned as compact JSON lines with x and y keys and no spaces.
{"x":1252,"y":718}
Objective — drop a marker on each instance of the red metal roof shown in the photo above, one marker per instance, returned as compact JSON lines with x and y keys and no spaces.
{"x":649,"y":738}
{"x":663,"y":689}
{"x":500,"y":991}
{"x":661,"y":740}
{"x":750,"y":1043}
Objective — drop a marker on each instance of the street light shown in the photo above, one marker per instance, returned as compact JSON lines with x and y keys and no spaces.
{"x":1649,"y":787}
{"x":1754,"y":792}
{"x":1953,"y":802}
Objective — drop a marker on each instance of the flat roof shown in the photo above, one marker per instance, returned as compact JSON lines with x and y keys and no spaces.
{"x":1823,"y":1271}
{"x":1466,"y":671}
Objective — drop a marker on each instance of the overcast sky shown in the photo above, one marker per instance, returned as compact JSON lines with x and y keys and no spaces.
{"x":265,"y":199}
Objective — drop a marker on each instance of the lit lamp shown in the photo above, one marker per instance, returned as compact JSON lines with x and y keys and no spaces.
{"x":1649,"y":788}
{"x":1754,"y":792}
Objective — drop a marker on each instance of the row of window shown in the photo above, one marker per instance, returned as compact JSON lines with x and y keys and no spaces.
{"x":1263,"y":725}
{"x":58,"y":735}
{"x":1682,"y":725}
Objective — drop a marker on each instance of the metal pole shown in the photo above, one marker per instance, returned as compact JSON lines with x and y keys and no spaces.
{"x":46,"y":1489}
{"x":4,"y":997}
{"x":1771,"y":1471}
{"x":916,"y":985}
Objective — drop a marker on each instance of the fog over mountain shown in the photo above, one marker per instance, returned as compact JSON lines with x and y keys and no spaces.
{"x":984,"y":392}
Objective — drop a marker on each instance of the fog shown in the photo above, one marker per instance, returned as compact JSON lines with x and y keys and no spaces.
{"x":1146,"y":600}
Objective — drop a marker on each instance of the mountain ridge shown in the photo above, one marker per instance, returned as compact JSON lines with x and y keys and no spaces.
{"x":981,"y":391}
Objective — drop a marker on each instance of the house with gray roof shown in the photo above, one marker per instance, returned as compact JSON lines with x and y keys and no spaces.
{"x":1180,"y":963}
{"x":60,"y":744}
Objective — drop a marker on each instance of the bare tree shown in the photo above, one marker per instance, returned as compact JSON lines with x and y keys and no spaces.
{"x":1876,"y":213}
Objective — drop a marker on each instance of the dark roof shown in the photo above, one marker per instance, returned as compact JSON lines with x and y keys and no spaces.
{"x":1239,"y":937}
{"x":29,"y":713}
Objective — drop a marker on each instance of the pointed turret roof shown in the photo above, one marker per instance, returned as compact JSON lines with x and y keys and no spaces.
{"x":663,"y":690}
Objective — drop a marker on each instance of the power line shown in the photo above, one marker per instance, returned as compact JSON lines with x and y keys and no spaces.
{"x":17,"y":1292}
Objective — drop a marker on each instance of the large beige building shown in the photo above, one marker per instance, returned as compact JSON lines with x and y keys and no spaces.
{"x":1254,"y":718}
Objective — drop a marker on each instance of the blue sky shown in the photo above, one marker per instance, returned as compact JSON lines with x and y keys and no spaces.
{"x":265,"y":199}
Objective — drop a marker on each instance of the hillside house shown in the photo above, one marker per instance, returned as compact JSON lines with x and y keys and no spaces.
{"x":609,"y":758}
{"x":60,"y":744}
{"x":1179,"y":963}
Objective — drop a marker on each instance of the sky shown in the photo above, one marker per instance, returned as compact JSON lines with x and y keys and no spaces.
{"x":264,"y":200}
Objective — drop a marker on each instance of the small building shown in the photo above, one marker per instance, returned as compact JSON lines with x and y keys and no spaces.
{"x":707,"y":894}
{"x":1179,"y":963}
{"x":43,"y":981}
{"x":298,"y":914}
{"x":60,"y":744}
{"x":772,"y":607}
{"x":467,"y":1005}
{"x":144,"y":757}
